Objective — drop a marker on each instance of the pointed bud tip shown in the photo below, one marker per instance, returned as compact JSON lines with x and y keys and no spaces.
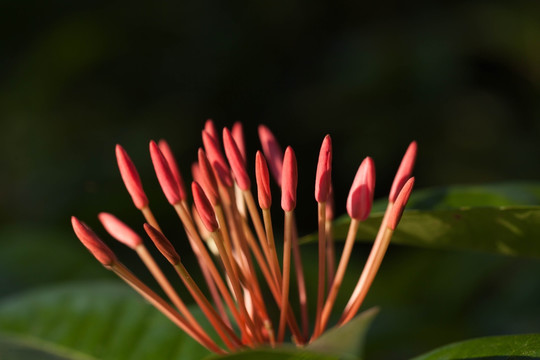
{"x":162,"y":243}
{"x":272,"y":151}
{"x":119,"y":230}
{"x":210,"y":128}
{"x":216,"y":159}
{"x":204,"y":207}
{"x":236,"y":160}
{"x":399,"y":204}
{"x":238,"y":135}
{"x":404,"y":171}
{"x":263,"y":181}
{"x":173,"y":165}
{"x":360,"y":199}
{"x":289,"y":181}
{"x":324,"y":171}
{"x":130,"y":177}
{"x":93,"y":243}
{"x":206,"y":178}
{"x":164,"y":174}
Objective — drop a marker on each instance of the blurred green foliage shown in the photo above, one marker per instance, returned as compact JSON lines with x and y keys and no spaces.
{"x":462,"y":78}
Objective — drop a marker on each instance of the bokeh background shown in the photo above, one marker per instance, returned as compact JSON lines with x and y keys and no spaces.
{"x":462,"y":78}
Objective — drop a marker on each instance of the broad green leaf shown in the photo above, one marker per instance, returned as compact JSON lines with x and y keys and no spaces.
{"x":458,"y":196}
{"x":343,"y":343}
{"x":275,"y":354}
{"x":348,"y":340}
{"x":479,"y":218}
{"x":102,"y":321}
{"x":494,"y":346}
{"x":16,"y":349}
{"x":509,"y":231}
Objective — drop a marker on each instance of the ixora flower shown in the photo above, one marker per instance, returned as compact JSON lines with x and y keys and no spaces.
{"x":232,"y":241}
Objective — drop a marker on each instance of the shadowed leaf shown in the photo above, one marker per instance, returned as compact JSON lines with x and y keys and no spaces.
{"x":499,"y":347}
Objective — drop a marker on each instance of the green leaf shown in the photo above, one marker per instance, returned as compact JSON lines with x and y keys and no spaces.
{"x":343,"y":343}
{"x":348,"y":340}
{"x":500,"y":346}
{"x":479,"y":218}
{"x":16,"y":349}
{"x":458,"y":196}
{"x":102,"y":321}
{"x":509,"y":231}
{"x":282,"y":353}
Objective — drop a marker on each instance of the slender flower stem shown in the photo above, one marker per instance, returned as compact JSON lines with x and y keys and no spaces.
{"x":210,"y":282}
{"x":216,"y":235}
{"x":370,"y":270}
{"x":164,"y":307}
{"x":322,"y":258}
{"x":257,"y":223}
{"x":293,"y":325}
{"x":287,"y":244}
{"x":272,"y":246}
{"x":223,"y":330}
{"x":260,"y":259}
{"x":340,"y":273}
{"x":330,"y":253}
{"x":251,"y":282}
{"x":149,"y":217}
{"x":301,"y":282}
{"x":166,"y":286}
{"x":241,"y":319}
{"x":218,"y":209}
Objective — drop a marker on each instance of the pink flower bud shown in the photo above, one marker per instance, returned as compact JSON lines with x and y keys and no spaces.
{"x":263,"y":181}
{"x":119,"y":230}
{"x":210,"y":128}
{"x":173,"y":165}
{"x":289,"y":180}
{"x":131,"y":178}
{"x":360,"y":197}
{"x":94,"y":244}
{"x":399,"y":204}
{"x":207,"y":179}
{"x":238,"y":135}
{"x":272,"y":151}
{"x":324,"y":171}
{"x":163,"y":244}
{"x":204,"y":208}
{"x":404,"y":171}
{"x":164,"y":175}
{"x":215,"y":156}
{"x":236,"y":161}
{"x":196,"y":172}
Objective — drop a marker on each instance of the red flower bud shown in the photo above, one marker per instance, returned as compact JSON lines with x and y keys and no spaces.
{"x":164,"y":175}
{"x":263,"y":181}
{"x":131,"y":178}
{"x":120,"y":231}
{"x":272,"y":151}
{"x":173,"y":165}
{"x":404,"y":171}
{"x":289,"y":181}
{"x":238,"y":166}
{"x":360,"y":197}
{"x":94,"y":244}
{"x":204,"y":208}
{"x":324,"y":169}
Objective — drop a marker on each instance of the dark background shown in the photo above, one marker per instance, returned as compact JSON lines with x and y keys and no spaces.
{"x":462,"y":78}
